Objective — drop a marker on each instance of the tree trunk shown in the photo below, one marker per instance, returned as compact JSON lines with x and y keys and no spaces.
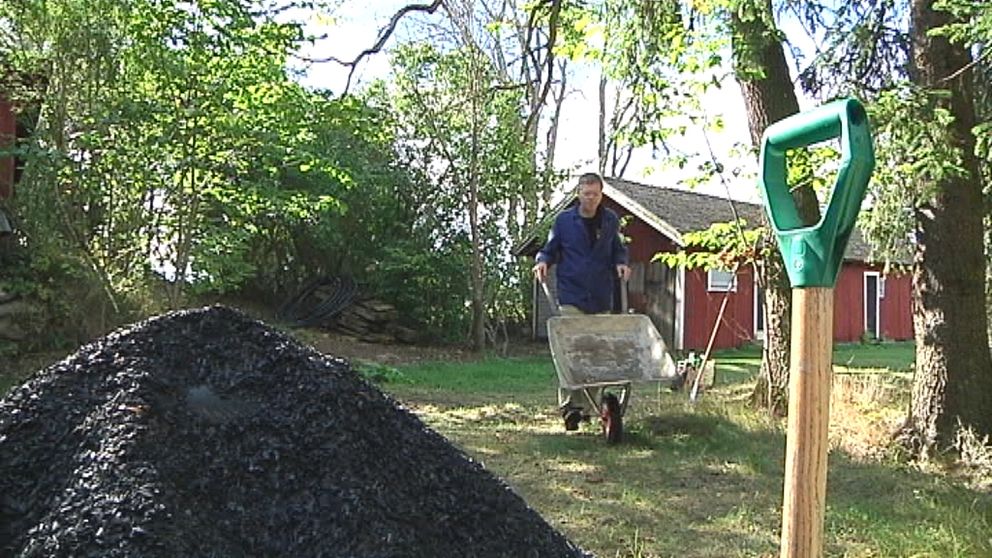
{"x":953,"y":380}
{"x":763,"y":75}
{"x":477,"y":281}
{"x":771,"y":390}
{"x":601,"y":151}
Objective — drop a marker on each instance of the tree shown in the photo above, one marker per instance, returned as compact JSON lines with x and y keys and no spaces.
{"x":953,"y":381}
{"x":972,"y":26}
{"x":763,"y":75}
{"x":642,"y":44}
{"x":461,"y":130}
{"x":174,"y":154}
{"x":927,"y":187}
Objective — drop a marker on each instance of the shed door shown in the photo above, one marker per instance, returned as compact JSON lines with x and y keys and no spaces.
{"x":659,"y":291}
{"x":872,"y":304}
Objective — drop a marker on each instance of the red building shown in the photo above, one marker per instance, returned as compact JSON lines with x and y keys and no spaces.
{"x":684,"y":304}
{"x":8,"y":133}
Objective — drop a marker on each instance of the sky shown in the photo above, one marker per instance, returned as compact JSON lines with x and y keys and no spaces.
{"x":355,"y":25}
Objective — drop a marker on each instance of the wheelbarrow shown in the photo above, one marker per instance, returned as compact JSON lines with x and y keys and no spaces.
{"x":603,"y":355}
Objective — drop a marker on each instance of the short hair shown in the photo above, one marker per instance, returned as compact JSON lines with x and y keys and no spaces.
{"x":590,"y":178}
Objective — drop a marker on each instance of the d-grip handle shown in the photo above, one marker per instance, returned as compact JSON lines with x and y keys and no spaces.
{"x":813,"y":253}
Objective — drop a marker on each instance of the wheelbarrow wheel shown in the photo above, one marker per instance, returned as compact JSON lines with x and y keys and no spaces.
{"x":611,"y":418}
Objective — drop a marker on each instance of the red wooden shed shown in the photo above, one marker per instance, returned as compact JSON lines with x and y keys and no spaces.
{"x":8,"y":133}
{"x":684,"y":304}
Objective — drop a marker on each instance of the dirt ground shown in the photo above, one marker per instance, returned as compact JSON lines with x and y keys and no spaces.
{"x":394,"y":354}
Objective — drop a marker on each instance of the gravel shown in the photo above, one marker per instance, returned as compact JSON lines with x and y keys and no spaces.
{"x":206,"y":433}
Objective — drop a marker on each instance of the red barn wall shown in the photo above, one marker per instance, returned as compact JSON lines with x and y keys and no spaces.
{"x":895,"y":308}
{"x":737,"y":326}
{"x":703,"y":307}
{"x":645,"y":242}
{"x":849,"y":310}
{"x":8,"y":131}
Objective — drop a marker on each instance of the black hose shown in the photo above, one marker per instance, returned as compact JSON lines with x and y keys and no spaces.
{"x":299,"y":311}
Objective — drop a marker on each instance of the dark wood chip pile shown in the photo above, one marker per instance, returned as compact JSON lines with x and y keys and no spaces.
{"x":205,"y":433}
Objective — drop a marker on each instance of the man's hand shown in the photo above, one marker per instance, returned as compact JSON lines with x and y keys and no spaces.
{"x":623,"y":272}
{"x":541,"y":271}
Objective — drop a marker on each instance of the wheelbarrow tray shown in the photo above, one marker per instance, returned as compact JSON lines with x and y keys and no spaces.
{"x":608,"y":349}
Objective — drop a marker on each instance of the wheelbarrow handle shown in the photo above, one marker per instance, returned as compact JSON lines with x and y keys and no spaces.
{"x":623,"y":296}
{"x":552,"y":303}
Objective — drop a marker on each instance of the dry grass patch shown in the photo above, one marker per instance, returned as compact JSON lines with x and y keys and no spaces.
{"x":700,"y":480}
{"x":865,"y":411}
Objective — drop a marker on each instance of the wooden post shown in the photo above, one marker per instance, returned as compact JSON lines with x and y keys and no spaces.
{"x":810,"y":371}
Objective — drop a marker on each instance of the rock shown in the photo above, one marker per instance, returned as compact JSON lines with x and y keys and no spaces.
{"x":11,"y":330}
{"x":403,"y":334}
{"x":6,"y":296}
{"x":17,"y":307}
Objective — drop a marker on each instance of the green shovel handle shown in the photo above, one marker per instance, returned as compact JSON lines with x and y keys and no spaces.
{"x":813,"y":254}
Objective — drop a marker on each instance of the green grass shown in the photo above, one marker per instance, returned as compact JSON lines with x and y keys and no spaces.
{"x":741,"y":364}
{"x":700,"y":480}
{"x":895,"y":357}
{"x":514,"y":376}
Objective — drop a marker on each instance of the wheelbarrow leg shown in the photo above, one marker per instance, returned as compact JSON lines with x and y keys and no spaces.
{"x":625,"y":391}
{"x":593,"y":404}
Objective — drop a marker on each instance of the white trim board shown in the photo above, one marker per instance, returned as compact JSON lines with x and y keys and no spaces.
{"x":680,"y":309}
{"x":642,"y":213}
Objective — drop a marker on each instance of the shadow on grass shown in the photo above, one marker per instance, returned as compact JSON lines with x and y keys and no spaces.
{"x":881,"y":509}
{"x":705,"y":483}
{"x":685,"y":484}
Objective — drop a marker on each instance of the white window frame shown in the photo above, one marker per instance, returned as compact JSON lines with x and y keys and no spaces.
{"x":714,"y":288}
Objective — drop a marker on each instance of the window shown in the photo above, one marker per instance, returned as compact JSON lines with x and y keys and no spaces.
{"x":720,"y":280}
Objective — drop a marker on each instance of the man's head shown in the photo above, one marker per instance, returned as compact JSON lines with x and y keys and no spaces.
{"x":590,"y":193}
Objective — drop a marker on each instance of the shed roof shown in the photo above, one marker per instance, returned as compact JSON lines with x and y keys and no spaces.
{"x":675,"y":212}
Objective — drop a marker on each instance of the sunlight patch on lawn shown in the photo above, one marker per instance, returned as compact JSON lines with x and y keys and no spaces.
{"x":491,"y":413}
{"x":506,"y":412}
{"x":572,"y":467}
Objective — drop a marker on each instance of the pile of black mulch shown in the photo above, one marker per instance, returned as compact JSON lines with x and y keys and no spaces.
{"x":205,"y":433}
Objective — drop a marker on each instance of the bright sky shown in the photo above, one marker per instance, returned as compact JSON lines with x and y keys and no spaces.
{"x":355,"y":27}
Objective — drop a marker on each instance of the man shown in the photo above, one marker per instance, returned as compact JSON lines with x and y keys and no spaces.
{"x":585,"y":244}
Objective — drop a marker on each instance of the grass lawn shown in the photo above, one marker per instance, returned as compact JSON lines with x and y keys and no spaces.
{"x":705,"y":479}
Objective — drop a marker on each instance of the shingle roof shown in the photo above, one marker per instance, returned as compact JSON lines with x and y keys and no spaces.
{"x":686,"y":211}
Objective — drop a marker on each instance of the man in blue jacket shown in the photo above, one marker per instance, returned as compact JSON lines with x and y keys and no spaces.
{"x":585,"y":244}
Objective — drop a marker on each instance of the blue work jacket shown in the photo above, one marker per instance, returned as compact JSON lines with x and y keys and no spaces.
{"x":586,"y":271}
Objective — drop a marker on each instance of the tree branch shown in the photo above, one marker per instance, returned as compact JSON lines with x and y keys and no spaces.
{"x":549,"y":61}
{"x":969,"y":66}
{"x":380,"y":42}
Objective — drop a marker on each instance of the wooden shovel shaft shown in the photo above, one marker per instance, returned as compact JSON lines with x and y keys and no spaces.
{"x":810,"y":372}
